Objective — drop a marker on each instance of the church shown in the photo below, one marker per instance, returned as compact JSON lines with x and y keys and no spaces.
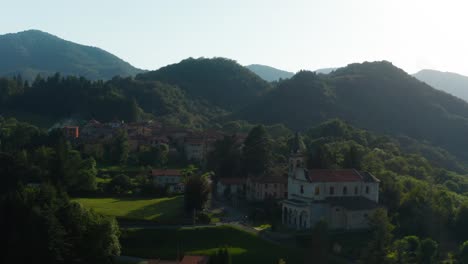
{"x":343,"y":198}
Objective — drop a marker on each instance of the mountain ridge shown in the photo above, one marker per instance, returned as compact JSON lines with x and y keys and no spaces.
{"x":269,"y":73}
{"x":32,"y":52}
{"x":449,"y":82}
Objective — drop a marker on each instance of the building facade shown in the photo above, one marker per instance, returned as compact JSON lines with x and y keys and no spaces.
{"x":273,"y":185}
{"x":234,"y":187}
{"x":171,"y":179}
{"x":342,"y":198}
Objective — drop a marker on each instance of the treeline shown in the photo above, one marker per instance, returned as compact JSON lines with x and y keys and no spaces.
{"x":126,"y":99}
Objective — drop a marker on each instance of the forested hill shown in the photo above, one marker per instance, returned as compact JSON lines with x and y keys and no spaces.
{"x":221,"y":82}
{"x":269,"y":73}
{"x":33,"y":52}
{"x":376,"y":96}
{"x":449,"y":82}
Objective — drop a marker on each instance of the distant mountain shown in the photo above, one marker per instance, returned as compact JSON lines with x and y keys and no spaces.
{"x":375,"y":96}
{"x":325,"y":70}
{"x":35,"y":52}
{"x":451,"y":83}
{"x":221,"y":82}
{"x":268,"y":73}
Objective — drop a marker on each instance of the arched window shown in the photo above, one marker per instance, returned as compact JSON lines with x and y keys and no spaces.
{"x":345,"y":190}
{"x":367,"y":189}
{"x":317,"y":190}
{"x":332,"y":190}
{"x":356,"y":190}
{"x":302,"y":189}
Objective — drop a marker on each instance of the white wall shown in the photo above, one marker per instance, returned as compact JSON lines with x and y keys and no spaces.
{"x":294,"y":189}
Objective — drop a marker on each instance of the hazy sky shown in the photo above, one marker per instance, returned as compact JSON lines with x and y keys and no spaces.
{"x":287,"y":34}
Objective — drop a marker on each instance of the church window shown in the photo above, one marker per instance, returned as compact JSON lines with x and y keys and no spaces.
{"x":332,"y":190}
{"x":367,"y":189}
{"x":302,"y":189}
{"x":317,"y":190}
{"x":345,"y":190}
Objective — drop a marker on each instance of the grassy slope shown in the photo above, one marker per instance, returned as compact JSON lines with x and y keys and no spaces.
{"x":162,"y":210}
{"x":244,"y":247}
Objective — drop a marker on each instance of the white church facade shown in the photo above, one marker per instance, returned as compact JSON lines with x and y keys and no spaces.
{"x":343,"y":198}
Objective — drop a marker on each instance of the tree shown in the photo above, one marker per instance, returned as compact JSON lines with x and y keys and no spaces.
{"x":406,"y":250}
{"x":463,"y":252}
{"x":120,"y":184}
{"x":381,"y":229}
{"x":256,"y":155}
{"x":118,"y":148}
{"x":428,"y":251}
{"x":197,"y":190}
{"x":154,"y":156}
{"x":461,"y":218}
{"x":225,"y":159}
{"x":44,"y":223}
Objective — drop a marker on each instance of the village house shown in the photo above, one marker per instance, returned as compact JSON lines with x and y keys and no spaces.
{"x":272,"y":185}
{"x":343,"y":198}
{"x":96,"y":130}
{"x":71,"y":132}
{"x":194,"y":149}
{"x":231,"y":186}
{"x":171,"y":179}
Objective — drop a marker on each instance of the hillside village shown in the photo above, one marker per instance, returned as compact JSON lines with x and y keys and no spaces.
{"x":343,"y":198}
{"x":202,"y":160}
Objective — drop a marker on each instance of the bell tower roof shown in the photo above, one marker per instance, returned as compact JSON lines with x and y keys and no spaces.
{"x":297,"y":145}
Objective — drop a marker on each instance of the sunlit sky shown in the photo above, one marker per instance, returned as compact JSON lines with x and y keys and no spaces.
{"x":286,"y":34}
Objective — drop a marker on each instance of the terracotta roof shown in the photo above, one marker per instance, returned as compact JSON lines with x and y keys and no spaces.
{"x":227,"y":181}
{"x":350,"y":175}
{"x":168,"y":172}
{"x":195,"y":260}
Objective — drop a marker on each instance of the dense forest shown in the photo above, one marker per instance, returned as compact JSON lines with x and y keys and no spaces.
{"x":215,"y":92}
{"x":38,"y":221}
{"x":375,"y":96}
{"x":222,"y":82}
{"x":58,"y":98}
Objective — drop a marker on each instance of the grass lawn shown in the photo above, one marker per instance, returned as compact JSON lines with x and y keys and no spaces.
{"x":162,"y":210}
{"x":244,"y":247}
{"x":102,"y":180}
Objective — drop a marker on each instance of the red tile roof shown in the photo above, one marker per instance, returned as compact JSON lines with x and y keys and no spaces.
{"x":168,"y":172}
{"x":195,"y":260}
{"x":334,"y":175}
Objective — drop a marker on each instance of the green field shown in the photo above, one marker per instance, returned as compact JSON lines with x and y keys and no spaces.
{"x":244,"y":247}
{"x":162,"y":210}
